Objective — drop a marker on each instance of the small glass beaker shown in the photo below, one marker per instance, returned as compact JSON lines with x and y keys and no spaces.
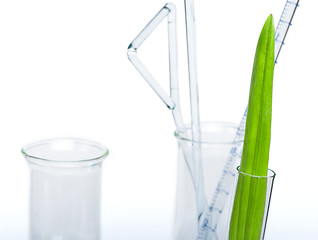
{"x":65,"y":193}
{"x":214,"y":171}
{"x":258,"y":194}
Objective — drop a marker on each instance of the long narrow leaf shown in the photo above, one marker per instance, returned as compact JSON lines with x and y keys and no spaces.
{"x":250,"y":197}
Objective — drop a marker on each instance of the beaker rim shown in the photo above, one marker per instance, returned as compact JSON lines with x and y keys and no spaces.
{"x":184,"y":134}
{"x":65,"y":151}
{"x":270,"y":173}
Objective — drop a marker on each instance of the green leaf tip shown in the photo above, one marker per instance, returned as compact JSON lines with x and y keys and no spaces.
{"x":250,"y":197}
{"x":258,"y":124}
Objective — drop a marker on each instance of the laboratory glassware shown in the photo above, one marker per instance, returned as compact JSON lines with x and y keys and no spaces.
{"x":65,"y":191}
{"x":217,"y":140}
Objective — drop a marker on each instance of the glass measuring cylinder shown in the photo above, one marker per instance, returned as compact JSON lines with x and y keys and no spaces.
{"x":65,"y":193}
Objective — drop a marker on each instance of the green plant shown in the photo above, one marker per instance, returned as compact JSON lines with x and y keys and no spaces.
{"x":249,"y":203}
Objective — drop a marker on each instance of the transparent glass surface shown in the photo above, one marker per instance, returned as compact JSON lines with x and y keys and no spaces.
{"x":65,"y":192}
{"x":210,"y":183}
{"x":267,"y":181}
{"x":213,"y":176}
{"x":223,"y":228}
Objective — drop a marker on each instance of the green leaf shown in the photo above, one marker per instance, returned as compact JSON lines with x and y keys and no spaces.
{"x":249,"y":203}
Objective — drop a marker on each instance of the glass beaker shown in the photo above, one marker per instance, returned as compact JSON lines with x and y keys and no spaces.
{"x":65,"y":193}
{"x":214,"y":175}
{"x":220,"y":154}
{"x":260,"y":188}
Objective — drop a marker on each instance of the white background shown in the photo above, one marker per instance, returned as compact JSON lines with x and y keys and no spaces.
{"x":64,"y":72}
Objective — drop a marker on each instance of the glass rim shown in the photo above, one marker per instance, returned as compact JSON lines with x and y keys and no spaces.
{"x":270,"y":174}
{"x":179,"y":131}
{"x":39,"y":159}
